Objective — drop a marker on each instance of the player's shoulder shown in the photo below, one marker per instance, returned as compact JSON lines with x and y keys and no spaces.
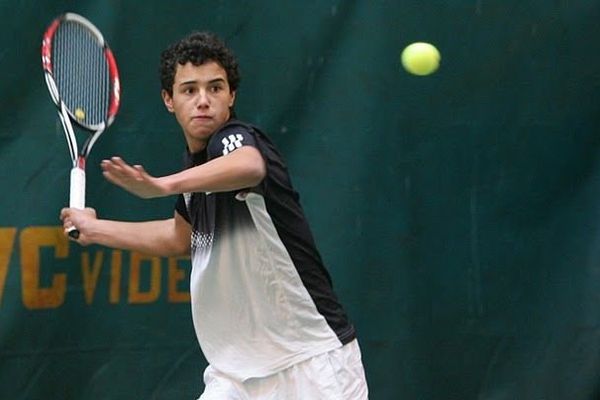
{"x":236,"y":125}
{"x":233,"y":127}
{"x":233,"y":134}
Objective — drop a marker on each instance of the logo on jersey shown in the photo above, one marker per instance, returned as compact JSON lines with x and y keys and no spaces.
{"x":232,"y":142}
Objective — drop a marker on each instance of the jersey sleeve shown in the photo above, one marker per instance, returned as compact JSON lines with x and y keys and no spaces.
{"x":233,"y":137}
{"x":229,"y":139}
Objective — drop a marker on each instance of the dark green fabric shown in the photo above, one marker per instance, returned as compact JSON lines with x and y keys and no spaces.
{"x":458,"y":213}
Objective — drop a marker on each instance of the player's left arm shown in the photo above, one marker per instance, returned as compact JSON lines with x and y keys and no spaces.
{"x":242,"y":168}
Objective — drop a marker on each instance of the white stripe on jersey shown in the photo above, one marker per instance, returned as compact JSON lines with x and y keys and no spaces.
{"x":252,"y":314}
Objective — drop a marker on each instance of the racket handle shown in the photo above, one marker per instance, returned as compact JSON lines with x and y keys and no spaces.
{"x":76,"y":195}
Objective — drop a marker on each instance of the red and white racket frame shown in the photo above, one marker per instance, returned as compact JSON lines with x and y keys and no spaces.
{"x":77,"y":185}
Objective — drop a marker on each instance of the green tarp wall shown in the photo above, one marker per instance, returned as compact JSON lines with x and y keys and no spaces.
{"x":459,"y":213}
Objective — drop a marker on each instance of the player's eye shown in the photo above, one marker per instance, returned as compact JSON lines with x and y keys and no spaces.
{"x":188,"y":90}
{"x":215,"y":88}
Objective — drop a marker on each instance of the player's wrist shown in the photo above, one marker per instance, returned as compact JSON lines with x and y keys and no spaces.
{"x":165,"y":186}
{"x":169,"y":185}
{"x":90,"y":229}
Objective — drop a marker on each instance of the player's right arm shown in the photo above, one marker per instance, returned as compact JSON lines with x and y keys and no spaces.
{"x":169,"y":237}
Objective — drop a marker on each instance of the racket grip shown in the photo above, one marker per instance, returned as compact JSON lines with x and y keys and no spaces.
{"x":76,"y":195}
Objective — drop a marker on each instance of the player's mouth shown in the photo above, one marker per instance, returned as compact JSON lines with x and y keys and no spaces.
{"x":201,"y":118}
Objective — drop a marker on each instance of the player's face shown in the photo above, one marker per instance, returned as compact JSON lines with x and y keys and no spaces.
{"x":201,"y":101}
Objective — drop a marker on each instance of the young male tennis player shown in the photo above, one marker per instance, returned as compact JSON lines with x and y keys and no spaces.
{"x":264,"y":311}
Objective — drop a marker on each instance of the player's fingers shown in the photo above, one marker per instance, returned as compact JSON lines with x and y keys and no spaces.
{"x":113,"y":172}
{"x":68,"y":226}
{"x":64,"y":213}
{"x":121,"y":169}
{"x":117,"y":160}
{"x":110,"y":176}
{"x":105,"y":164}
{"x":118,"y":179}
{"x":112,"y":164}
{"x":142,"y":172}
{"x":121,"y":164}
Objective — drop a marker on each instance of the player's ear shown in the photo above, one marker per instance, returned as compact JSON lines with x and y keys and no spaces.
{"x":232,"y":101}
{"x":167,"y":99}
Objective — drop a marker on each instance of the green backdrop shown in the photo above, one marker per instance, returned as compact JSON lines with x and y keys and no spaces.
{"x":458,"y":213}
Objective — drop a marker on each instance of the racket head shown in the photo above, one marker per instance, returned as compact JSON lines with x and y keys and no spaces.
{"x":81,"y":71}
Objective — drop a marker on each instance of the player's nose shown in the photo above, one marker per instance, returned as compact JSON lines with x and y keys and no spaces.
{"x":202,"y":99}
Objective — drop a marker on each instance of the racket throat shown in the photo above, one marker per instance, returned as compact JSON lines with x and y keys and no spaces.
{"x":80,"y":163}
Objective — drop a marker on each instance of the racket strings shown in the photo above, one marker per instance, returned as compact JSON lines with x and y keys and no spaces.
{"x":81,"y":73}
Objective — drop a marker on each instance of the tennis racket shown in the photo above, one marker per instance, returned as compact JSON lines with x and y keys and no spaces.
{"x":83,"y":80}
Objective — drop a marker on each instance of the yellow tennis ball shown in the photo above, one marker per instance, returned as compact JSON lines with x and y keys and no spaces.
{"x":420,"y":58}
{"x":79,"y":114}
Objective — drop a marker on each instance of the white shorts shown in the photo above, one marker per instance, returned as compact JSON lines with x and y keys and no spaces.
{"x":335,"y":375}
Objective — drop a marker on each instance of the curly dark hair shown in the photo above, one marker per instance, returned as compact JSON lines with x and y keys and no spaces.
{"x":197,"y":48}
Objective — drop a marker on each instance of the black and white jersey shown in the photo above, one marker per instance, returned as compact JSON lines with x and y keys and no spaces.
{"x":261,"y":298}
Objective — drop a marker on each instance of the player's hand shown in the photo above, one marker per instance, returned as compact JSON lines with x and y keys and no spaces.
{"x":80,"y":219}
{"x":132,"y":178}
